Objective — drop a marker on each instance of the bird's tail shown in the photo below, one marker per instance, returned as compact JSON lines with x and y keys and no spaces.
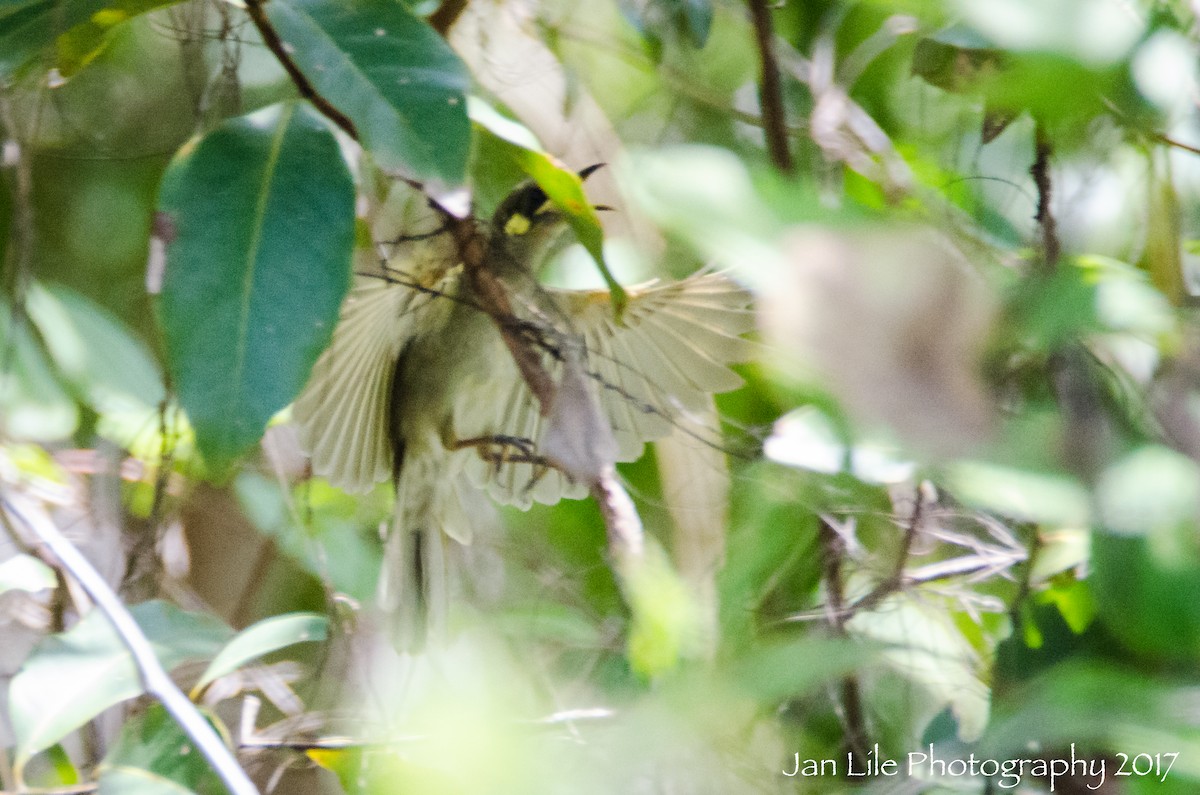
{"x":417,"y":584}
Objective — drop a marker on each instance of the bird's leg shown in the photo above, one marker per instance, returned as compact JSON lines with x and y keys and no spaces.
{"x":499,"y":449}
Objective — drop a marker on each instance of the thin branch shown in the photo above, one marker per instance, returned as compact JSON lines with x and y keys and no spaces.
{"x":155,"y":679}
{"x":1040,"y":171}
{"x":852,"y":714}
{"x":770,"y":89}
{"x":276,"y":45}
{"x":446,"y":15}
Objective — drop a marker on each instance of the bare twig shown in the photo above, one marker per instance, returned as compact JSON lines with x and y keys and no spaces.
{"x":770,"y":89}
{"x":155,"y":679}
{"x":276,"y":45}
{"x":852,"y":715}
{"x":1040,"y":171}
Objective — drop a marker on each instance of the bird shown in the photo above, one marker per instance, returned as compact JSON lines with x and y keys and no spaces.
{"x":418,"y":387}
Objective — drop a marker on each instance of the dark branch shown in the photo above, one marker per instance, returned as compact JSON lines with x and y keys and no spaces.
{"x":446,"y":15}
{"x":852,"y":715}
{"x":276,"y":45}
{"x":770,"y":89}
{"x":1040,"y":171}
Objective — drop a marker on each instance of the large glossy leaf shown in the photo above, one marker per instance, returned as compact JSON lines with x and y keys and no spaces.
{"x":268,"y":635}
{"x":74,"y":676}
{"x":263,"y":216}
{"x":390,"y":73}
{"x":154,"y":757}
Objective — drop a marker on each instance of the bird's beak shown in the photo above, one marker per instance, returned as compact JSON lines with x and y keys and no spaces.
{"x":587,"y":172}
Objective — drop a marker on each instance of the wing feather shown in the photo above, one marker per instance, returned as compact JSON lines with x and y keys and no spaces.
{"x":669,"y":355}
{"x":343,"y":411}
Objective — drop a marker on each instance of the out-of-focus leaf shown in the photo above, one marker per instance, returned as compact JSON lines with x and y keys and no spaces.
{"x":1148,"y":592}
{"x":1022,"y":494}
{"x":79,"y":26}
{"x":33,"y":404}
{"x":923,"y":645}
{"x":1152,"y":491}
{"x":1097,"y":32}
{"x":72,"y":677}
{"x":1074,"y":601}
{"x":1088,"y":704}
{"x":335,"y":540}
{"x":561,"y":185}
{"x":263,"y":208}
{"x":655,"y":19}
{"x":1162,"y":257}
{"x":807,"y":439}
{"x":666,"y":626}
{"x":82,"y":43}
{"x":382,"y":772}
{"x":264,"y":637}
{"x":390,"y":73}
{"x":153,"y":756}
{"x":109,"y":367}
{"x":26,"y":573}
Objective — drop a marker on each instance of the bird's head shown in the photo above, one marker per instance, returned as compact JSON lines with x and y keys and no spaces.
{"x":528,"y":222}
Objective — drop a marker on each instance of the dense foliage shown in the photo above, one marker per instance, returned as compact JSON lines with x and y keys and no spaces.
{"x":946,"y":537}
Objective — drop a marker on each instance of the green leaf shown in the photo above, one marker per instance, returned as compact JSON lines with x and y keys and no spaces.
{"x":153,"y":756}
{"x":74,"y":676}
{"x":562,"y":186}
{"x":268,"y":635}
{"x":107,"y":366}
{"x":81,"y":28}
{"x":33,"y":404}
{"x":400,"y":84}
{"x":263,"y":213}
{"x":80,"y":45}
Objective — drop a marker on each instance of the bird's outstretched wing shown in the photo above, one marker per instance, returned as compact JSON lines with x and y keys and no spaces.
{"x":343,"y":411}
{"x":670,"y":353}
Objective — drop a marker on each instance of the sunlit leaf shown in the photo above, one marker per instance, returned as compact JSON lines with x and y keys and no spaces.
{"x":390,"y":73}
{"x":263,"y":212}
{"x":268,"y":635}
{"x":73,"y":677}
{"x":563,"y":186}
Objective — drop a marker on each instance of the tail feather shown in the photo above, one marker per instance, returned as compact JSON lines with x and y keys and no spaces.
{"x":417,"y":583}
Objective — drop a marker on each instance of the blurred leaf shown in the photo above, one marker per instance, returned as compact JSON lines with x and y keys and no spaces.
{"x":1096,"y":706}
{"x":108,"y":366}
{"x":80,"y":26}
{"x":33,"y":404}
{"x":82,"y":43}
{"x":657,"y":20}
{"x":382,"y":772}
{"x":336,"y":539}
{"x":1097,"y":32}
{"x":26,"y":573}
{"x":1151,"y":491}
{"x":264,"y":637}
{"x":923,"y":645}
{"x":665,"y":623}
{"x":263,"y":208}
{"x":390,"y":73}
{"x":1074,"y":600}
{"x":153,"y":756}
{"x":1026,"y":495}
{"x":561,"y":185}
{"x":74,"y":676}
{"x":1148,"y":593}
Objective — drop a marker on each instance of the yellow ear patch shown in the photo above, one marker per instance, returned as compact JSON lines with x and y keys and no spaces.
{"x":517,"y":225}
